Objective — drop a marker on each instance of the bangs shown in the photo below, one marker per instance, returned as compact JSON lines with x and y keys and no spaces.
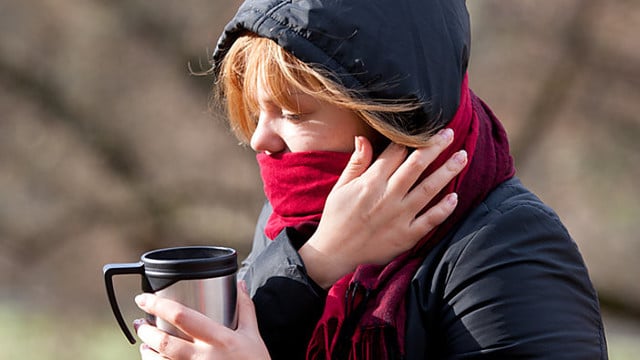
{"x":255,"y":62}
{"x":279,"y":74}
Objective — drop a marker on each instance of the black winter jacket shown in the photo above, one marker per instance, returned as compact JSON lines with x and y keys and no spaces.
{"x":507,"y":283}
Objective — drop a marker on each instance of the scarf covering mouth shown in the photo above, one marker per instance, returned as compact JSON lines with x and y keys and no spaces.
{"x":297,"y":185}
{"x":364,"y":315}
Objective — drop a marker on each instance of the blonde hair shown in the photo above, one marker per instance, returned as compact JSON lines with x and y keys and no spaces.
{"x":252,"y":61}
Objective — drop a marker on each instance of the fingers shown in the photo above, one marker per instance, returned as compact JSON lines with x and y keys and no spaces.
{"x":247,"y":320}
{"x":394,"y":162}
{"x":189,"y":321}
{"x":388,"y":161}
{"x":360,"y":160}
{"x":412,"y":168}
{"x":436,"y":215}
{"x":428,"y":188}
{"x":156,"y":342}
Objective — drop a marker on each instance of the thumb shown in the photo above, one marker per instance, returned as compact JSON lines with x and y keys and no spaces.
{"x":359,"y":161}
{"x":246,"y":310}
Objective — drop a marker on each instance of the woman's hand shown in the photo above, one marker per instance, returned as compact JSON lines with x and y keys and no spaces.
{"x":211,"y":340}
{"x":373,"y":213}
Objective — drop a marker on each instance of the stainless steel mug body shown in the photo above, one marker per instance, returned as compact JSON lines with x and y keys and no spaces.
{"x":200,"y":277}
{"x":213,"y":297}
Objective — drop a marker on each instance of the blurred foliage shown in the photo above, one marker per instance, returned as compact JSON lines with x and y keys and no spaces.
{"x":108,"y":147}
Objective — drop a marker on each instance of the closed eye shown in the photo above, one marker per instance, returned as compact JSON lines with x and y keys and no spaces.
{"x":295,"y":117}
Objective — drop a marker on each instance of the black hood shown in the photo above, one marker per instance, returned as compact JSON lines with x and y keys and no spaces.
{"x":392,"y":49}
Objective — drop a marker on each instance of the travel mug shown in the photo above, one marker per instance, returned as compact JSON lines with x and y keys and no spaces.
{"x":200,"y":277}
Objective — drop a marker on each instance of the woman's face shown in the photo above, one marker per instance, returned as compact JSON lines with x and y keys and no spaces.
{"x":313,"y":126}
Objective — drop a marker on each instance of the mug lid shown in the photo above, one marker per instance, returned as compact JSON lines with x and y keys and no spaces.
{"x":190,"y":262}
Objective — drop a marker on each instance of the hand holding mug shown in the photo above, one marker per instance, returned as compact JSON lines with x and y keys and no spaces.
{"x":209,"y":339}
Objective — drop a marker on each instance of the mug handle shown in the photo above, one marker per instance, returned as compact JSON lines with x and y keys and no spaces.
{"x":109,"y":271}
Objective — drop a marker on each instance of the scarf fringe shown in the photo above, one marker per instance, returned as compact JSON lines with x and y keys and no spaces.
{"x":365,"y":344}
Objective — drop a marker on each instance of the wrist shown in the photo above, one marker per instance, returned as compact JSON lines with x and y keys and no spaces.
{"x":322,"y":267}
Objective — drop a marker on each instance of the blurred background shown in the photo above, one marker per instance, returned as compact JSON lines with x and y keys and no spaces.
{"x":108,"y":149}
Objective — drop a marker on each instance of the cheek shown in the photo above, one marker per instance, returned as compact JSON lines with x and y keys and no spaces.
{"x":343,"y":142}
{"x":343,"y":138}
{"x":324,"y":135}
{"x":303,"y":140}
{"x":320,"y":141}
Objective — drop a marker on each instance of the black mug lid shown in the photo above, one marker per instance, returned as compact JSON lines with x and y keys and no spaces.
{"x":190,"y":262}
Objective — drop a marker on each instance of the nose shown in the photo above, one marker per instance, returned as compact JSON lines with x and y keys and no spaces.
{"x":266,"y":137}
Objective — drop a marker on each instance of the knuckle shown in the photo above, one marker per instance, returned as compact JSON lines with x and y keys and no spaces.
{"x":426,"y":225}
{"x":368,"y":193}
{"x":428,"y":189}
{"x":366,"y":189}
{"x":164,"y":342}
{"x":401,"y":245}
{"x":429,"y":221}
{"x":357,"y":162}
{"x":434,"y":217}
{"x":417,"y":161}
{"x":453,"y":166}
{"x":178,"y":317}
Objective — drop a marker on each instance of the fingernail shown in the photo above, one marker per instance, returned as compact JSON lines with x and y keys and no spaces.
{"x":243,"y":286}
{"x":460,"y":157}
{"x":446,"y":134}
{"x":141,"y":300}
{"x":452,"y":199}
{"x":137,"y":323}
{"x":358,"y":144}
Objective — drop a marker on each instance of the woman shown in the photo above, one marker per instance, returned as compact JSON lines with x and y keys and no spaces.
{"x":365,"y":249}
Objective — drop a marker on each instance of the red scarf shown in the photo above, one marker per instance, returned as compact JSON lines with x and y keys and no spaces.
{"x":364,"y":315}
{"x":297,"y":185}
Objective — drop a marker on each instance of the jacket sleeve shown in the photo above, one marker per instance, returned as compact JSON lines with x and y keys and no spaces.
{"x":517,"y":288}
{"x":288,"y":303}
